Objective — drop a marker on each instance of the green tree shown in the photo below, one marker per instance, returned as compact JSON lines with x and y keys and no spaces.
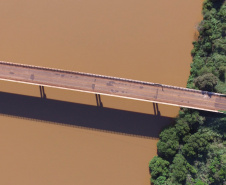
{"x":182,"y":128}
{"x":197,"y":144}
{"x":192,"y":118}
{"x":178,"y":168}
{"x":222,"y":70}
{"x":159,"y":168}
{"x":199,"y":182}
{"x":168,"y":143}
{"x":161,"y":180}
{"x":206,"y":82}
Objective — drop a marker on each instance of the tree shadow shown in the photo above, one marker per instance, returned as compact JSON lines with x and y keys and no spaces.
{"x":80,"y":115}
{"x":208,"y":93}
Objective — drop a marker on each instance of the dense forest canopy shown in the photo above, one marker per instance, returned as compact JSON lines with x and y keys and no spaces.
{"x":193,"y":150}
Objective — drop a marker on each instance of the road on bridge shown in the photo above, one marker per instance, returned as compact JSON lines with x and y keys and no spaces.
{"x":113,"y":86}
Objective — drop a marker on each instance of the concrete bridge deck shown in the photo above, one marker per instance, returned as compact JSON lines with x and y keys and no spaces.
{"x":112,"y":86}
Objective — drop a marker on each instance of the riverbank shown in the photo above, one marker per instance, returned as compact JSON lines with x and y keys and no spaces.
{"x":193,"y":150}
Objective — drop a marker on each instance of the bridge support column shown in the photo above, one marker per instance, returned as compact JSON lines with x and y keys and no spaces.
{"x":156,"y":109}
{"x":98,"y":100}
{"x":42,"y":92}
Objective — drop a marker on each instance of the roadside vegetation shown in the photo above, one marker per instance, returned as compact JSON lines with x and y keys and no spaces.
{"x":193,"y":150}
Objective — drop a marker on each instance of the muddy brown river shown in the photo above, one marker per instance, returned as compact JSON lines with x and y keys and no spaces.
{"x":66,"y":138}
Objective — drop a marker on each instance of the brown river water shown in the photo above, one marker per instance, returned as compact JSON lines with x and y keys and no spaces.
{"x":66,"y":138}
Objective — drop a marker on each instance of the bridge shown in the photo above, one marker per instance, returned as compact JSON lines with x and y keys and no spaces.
{"x":113,"y":86}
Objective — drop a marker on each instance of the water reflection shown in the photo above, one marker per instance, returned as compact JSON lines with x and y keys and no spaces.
{"x":80,"y":115}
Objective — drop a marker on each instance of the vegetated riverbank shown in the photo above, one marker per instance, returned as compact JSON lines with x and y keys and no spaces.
{"x":193,"y":151}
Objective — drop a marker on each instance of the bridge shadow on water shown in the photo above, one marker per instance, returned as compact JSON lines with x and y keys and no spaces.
{"x":80,"y":115}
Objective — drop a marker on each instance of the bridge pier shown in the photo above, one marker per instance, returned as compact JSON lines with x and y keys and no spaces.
{"x":98,"y":100}
{"x":156,"y":109}
{"x":42,"y":92}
